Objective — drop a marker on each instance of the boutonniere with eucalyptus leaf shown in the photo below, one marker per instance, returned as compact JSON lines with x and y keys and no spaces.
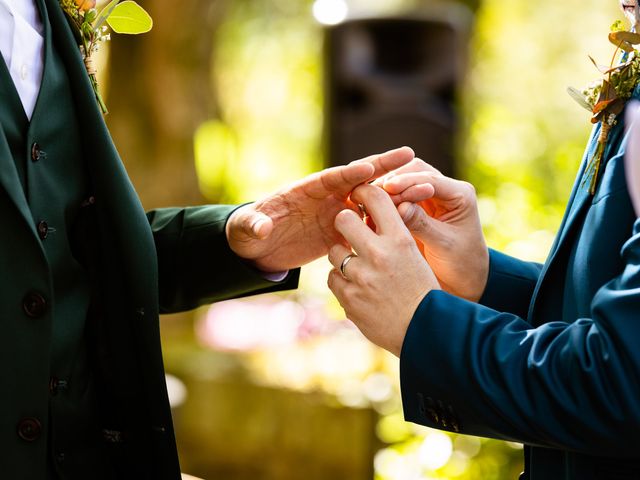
{"x":606,"y":98}
{"x":91,"y":28}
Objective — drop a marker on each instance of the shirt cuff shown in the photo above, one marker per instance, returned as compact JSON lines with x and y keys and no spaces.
{"x":274,"y":276}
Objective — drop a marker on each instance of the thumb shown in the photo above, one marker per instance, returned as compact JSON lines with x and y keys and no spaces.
{"x":251,"y":223}
{"x":259,"y":225}
{"x":417,"y":221}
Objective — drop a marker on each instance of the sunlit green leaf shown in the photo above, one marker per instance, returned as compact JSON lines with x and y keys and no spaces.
{"x":618,"y":26}
{"x":129,"y":17}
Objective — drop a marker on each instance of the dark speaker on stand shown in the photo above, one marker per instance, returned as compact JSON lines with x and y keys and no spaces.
{"x":391,"y":82}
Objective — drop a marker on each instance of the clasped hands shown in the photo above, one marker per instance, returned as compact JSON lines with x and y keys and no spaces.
{"x":423,"y":233}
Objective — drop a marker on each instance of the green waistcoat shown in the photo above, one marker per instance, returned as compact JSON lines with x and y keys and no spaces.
{"x":49,"y":160}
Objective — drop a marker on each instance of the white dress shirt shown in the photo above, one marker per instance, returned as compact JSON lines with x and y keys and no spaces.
{"x":22,"y":47}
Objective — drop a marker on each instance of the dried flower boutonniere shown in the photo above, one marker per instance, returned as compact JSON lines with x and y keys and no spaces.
{"x":90,"y":29}
{"x":606,"y":98}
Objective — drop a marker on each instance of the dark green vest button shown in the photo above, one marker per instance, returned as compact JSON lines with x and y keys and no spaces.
{"x":29,"y":429}
{"x":37,"y":153}
{"x":56,"y":385}
{"x":43,"y":229}
{"x":34,"y":305}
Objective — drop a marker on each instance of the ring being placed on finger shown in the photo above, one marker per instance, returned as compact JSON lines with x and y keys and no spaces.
{"x":363,"y":210}
{"x":344,"y":263}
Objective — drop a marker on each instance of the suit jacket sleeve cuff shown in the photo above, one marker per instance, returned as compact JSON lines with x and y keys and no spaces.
{"x":511,"y":284}
{"x":441,"y":385}
{"x":196,"y":264}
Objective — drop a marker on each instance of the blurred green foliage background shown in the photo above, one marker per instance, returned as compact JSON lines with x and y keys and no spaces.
{"x":284,"y":387}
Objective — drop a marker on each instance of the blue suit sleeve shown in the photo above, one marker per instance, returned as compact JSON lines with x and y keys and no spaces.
{"x":573,"y":386}
{"x":510,"y":284}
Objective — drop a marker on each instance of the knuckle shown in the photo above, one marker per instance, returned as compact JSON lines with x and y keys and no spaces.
{"x":331,"y":280}
{"x":377,"y":193}
{"x":405,"y":241}
{"x":342,"y":217}
{"x":468,"y":189}
{"x":418,"y":162}
{"x":415,"y":166}
{"x":376,"y":254}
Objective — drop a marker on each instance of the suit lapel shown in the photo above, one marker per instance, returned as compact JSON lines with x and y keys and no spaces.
{"x":10,"y":181}
{"x":121,"y":214}
{"x":9,"y":178}
{"x":69,"y":50}
{"x":578,"y":200}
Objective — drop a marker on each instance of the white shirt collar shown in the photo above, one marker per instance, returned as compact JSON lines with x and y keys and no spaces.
{"x":22,"y":48}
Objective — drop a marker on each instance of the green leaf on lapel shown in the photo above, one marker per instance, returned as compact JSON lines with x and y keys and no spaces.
{"x":579,"y":97}
{"x":104,"y":14}
{"x":129,"y":17}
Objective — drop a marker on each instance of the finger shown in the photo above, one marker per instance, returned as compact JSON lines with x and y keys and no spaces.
{"x":386,"y":162}
{"x":338,"y":286}
{"x":380,"y":207}
{"x":397,"y":184}
{"x":415,"y":194}
{"x":355,"y":232}
{"x":445,"y":188}
{"x":337,"y":254}
{"x":370,"y":223}
{"x":342,"y":180}
{"x":421,"y":225}
{"x":338,"y":180}
{"x":414,"y":166}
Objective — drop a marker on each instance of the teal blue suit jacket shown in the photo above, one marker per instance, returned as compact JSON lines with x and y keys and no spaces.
{"x":550,"y":357}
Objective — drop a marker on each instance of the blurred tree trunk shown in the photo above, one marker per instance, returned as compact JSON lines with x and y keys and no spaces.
{"x":160,"y":91}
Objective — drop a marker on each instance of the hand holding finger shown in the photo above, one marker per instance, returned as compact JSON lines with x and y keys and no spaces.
{"x":381,"y":289}
{"x":354,"y":230}
{"x":380,"y":207}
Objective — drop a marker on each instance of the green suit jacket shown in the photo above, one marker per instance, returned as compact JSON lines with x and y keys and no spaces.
{"x":550,"y":356}
{"x":141,"y":264}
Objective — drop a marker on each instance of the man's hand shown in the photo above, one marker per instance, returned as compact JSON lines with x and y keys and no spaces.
{"x":295,"y":225}
{"x":442,"y":213}
{"x":384,"y":284}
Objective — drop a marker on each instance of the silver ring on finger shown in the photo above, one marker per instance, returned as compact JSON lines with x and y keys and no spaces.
{"x":344,"y":263}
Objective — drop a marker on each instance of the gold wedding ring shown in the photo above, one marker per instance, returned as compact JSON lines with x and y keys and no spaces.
{"x":363,"y":210}
{"x":344,"y":263}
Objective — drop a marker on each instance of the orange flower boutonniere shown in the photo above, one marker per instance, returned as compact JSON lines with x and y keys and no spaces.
{"x":91,"y":28}
{"x":606,"y":98}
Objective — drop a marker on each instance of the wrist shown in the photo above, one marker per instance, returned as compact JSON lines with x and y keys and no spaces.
{"x":482,"y":277}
